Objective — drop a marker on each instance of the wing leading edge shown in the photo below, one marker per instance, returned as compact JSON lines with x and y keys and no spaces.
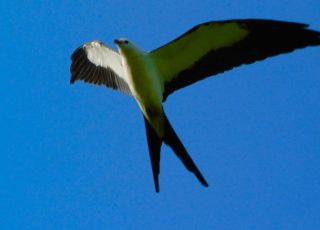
{"x":214,"y":47}
{"x":96,"y":63}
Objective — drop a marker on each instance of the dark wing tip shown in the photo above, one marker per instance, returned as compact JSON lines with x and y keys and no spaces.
{"x":84,"y":69}
{"x":77,"y":58}
{"x":266,"y":38}
{"x":76,"y":52}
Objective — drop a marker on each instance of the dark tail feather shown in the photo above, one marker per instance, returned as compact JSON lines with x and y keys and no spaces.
{"x":154,"y":144}
{"x":171,"y":139}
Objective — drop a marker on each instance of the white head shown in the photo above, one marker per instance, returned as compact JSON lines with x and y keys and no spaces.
{"x":128,"y":48}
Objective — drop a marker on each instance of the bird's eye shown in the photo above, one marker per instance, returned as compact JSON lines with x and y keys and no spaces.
{"x":126,"y":42}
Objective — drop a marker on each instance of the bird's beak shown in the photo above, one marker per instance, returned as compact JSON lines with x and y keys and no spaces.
{"x":117,"y":41}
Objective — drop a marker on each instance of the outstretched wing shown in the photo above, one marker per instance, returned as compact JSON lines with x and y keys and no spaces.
{"x":214,"y":47}
{"x":96,"y":63}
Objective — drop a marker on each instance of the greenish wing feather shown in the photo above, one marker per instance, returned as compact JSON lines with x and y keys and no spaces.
{"x":215,"y":47}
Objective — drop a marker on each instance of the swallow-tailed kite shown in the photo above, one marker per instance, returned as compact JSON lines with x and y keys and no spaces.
{"x":205,"y":50}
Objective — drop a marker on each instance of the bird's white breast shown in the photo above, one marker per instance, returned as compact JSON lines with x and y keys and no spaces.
{"x":143,"y":80}
{"x":145,"y":86}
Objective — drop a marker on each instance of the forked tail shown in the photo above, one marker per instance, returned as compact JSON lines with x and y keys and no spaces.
{"x":171,"y":139}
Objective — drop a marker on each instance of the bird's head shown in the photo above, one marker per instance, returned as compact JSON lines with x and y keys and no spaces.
{"x":127,"y":47}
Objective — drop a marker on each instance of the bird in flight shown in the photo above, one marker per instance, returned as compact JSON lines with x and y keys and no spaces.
{"x":205,"y":50}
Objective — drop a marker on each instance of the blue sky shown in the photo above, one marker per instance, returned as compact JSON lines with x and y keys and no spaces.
{"x":76,"y":157}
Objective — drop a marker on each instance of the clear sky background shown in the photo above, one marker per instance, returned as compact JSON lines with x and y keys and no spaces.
{"x":76,"y":157}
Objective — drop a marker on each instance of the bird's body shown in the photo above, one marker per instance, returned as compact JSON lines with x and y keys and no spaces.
{"x":205,"y":50}
{"x":144,"y":84}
